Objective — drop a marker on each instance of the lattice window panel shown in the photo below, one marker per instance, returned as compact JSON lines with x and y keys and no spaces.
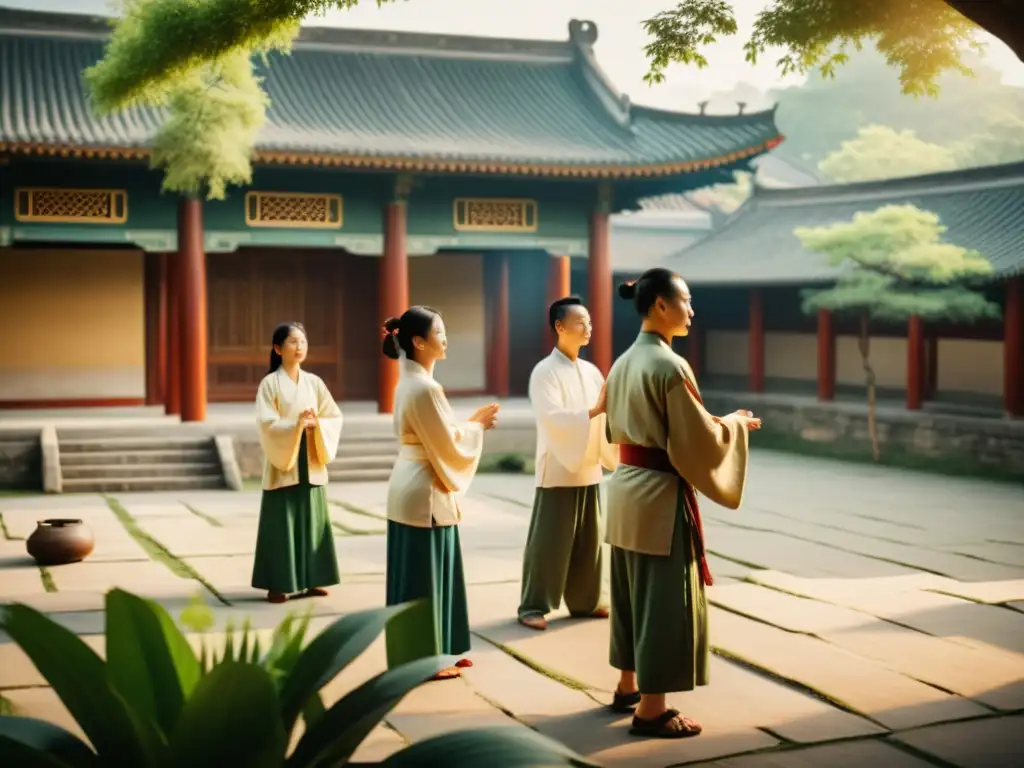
{"x":472,"y":214}
{"x":293,"y":210}
{"x":71,"y":206}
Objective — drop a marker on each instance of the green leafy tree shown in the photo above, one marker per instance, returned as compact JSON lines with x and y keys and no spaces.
{"x":154,"y":703}
{"x":879,"y":152}
{"x":1002,"y":141}
{"x":894,"y":265}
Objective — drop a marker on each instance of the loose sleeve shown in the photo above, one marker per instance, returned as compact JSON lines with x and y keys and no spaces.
{"x":567,"y":429}
{"x":279,"y":438}
{"x":328,"y":429}
{"x":609,"y":451}
{"x":453,"y":450}
{"x":712,"y":455}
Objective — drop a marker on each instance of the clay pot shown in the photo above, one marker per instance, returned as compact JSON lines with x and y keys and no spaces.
{"x":56,"y":542}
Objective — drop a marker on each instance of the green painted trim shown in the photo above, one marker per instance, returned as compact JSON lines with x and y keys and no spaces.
{"x":153,"y":240}
{"x":564,"y":246}
{"x":5,"y":237}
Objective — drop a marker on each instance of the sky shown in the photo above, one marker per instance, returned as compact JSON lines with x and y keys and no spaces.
{"x":619,"y":46}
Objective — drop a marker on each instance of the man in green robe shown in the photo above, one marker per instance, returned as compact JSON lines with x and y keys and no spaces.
{"x":564,"y":556}
{"x":669,"y":446}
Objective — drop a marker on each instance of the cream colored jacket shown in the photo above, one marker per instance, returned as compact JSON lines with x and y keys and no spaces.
{"x":438,"y":457}
{"x":572,"y":448}
{"x":279,"y":402}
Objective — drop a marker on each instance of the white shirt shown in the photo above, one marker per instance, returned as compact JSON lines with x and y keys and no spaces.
{"x":571,"y":447}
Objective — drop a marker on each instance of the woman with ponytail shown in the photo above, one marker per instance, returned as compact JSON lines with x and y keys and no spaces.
{"x":438,"y":459}
{"x":669,"y":447}
{"x":299,"y":426}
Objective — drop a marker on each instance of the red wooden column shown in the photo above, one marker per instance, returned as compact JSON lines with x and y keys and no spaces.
{"x":172,"y":372}
{"x":498,"y":348}
{"x":559,"y":286}
{"x":756,"y":340}
{"x":155,"y":283}
{"x":826,"y":356}
{"x":1013,"y":344}
{"x":599,"y":284}
{"x":394,"y":294}
{"x":916,"y":367}
{"x":192,"y":305}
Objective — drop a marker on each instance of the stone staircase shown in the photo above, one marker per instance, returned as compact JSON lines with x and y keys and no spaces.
{"x":364,"y":458}
{"x":97,"y":463}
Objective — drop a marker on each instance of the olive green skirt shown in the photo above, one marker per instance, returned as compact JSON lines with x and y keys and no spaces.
{"x":659,"y":615}
{"x":427,"y":562}
{"x":295,"y":542}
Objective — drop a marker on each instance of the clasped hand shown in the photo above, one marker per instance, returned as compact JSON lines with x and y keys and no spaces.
{"x":307,"y":419}
{"x":487,"y":416}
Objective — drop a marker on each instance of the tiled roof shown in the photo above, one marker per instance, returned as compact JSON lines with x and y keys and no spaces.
{"x":982,"y":208}
{"x":396,"y":100}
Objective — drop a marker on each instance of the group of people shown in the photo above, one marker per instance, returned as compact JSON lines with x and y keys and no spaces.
{"x":646,"y":424}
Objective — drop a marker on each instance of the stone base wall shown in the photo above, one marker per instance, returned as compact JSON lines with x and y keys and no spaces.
{"x":938,"y":442}
{"x":20,"y":460}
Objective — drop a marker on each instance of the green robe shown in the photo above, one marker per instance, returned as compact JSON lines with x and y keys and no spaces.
{"x":658,"y":607}
{"x":295,"y":541}
{"x":564,"y":556}
{"x":427,"y":562}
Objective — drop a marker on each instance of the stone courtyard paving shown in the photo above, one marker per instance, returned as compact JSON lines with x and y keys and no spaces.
{"x":860,"y":617}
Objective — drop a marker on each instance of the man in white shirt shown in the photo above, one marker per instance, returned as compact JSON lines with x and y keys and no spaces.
{"x":564,"y":556}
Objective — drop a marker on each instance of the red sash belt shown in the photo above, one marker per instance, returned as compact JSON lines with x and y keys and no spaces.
{"x":656,"y":459}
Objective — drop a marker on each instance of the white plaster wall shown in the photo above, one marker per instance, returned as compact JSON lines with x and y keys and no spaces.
{"x":888,"y":356}
{"x":791,"y":356}
{"x":967,"y":365}
{"x":727,"y":352}
{"x":453,"y":284}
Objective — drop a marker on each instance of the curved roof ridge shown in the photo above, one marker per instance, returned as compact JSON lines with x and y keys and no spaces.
{"x":710,"y":119}
{"x":582,"y":36}
{"x":964,"y":179}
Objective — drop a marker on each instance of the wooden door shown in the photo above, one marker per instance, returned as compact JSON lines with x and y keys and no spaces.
{"x":250,"y":292}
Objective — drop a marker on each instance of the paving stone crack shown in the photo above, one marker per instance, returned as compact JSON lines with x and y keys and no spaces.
{"x":536,"y":666}
{"x":202,"y":515}
{"x":349,"y":507}
{"x":6,"y":533}
{"x":47,"y":578}
{"x":156,"y":550}
{"x":509,"y":500}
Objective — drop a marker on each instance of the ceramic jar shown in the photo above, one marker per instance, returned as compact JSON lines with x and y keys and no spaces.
{"x":56,"y":542}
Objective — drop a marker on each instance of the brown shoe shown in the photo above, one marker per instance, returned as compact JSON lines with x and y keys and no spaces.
{"x":601,"y":612}
{"x":534,"y":622}
{"x":668,"y":725}
{"x":276,"y":597}
{"x":450,"y":673}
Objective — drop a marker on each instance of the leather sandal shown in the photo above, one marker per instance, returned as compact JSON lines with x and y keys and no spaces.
{"x":534,"y":622}
{"x":668,"y":725}
{"x":625,"y":702}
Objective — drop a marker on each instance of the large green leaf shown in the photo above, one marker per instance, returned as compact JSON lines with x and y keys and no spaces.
{"x":29,"y":743}
{"x":343,"y":727}
{"x":79,"y":677}
{"x":330,"y":652}
{"x":232,"y":718}
{"x":149,"y":661}
{"x":285,"y":647}
{"x":509,"y":746}
{"x":414,"y":633}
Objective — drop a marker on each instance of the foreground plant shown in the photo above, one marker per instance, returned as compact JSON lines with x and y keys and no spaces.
{"x":156,"y":703}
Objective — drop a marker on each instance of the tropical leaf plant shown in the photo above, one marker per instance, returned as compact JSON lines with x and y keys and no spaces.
{"x":155,"y":702}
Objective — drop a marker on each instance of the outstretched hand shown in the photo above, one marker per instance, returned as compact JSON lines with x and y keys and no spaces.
{"x":487,"y":416}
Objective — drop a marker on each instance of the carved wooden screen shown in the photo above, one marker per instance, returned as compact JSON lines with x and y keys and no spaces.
{"x":249,"y":293}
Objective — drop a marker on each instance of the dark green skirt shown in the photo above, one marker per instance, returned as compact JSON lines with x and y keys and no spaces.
{"x":295,"y":542}
{"x":659,"y":616}
{"x":427,"y":562}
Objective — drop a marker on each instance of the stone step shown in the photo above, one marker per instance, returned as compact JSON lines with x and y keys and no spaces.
{"x":144,"y":471}
{"x":359,"y":475}
{"x":133,"y":444}
{"x":129,"y":484}
{"x":361,"y":447}
{"x":363,"y":462}
{"x":175,"y":456}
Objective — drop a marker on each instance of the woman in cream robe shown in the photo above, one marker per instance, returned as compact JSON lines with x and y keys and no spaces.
{"x":437,"y":461}
{"x":299,"y":426}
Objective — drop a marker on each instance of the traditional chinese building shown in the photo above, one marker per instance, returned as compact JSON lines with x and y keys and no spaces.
{"x":394,"y":168}
{"x":751,"y":335}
